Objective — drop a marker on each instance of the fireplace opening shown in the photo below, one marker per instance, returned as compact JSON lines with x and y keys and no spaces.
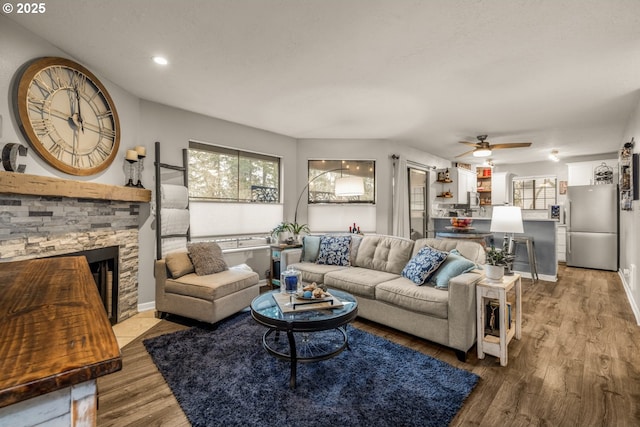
{"x":103,"y":263}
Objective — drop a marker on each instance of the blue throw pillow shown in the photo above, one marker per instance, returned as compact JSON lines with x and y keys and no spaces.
{"x":420,"y":268}
{"x":310,"y":248}
{"x":453,"y":266}
{"x":334,"y":250}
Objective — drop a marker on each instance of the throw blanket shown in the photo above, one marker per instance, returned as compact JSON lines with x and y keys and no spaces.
{"x":174,"y":196}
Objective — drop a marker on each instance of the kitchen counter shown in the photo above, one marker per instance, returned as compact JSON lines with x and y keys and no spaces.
{"x":55,"y":340}
{"x":543,"y":230}
{"x":481,"y":218}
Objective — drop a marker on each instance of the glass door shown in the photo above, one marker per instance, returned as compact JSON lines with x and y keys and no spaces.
{"x":418,"y":196}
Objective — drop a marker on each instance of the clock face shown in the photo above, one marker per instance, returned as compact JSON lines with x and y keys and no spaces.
{"x":67,"y":116}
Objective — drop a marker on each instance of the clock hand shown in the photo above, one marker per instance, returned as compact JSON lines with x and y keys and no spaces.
{"x":79,"y":115}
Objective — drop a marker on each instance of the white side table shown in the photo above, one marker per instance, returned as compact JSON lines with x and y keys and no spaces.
{"x":497,"y":290}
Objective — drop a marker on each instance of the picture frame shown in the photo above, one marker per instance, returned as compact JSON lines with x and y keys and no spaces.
{"x":562,"y":186}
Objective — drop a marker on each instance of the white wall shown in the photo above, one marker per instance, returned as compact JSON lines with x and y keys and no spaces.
{"x":629,"y":229}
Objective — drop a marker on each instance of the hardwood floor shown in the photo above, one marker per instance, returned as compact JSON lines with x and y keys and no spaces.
{"x":578,"y":364}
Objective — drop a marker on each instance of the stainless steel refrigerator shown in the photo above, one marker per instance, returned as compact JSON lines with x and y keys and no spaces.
{"x":592,"y":226}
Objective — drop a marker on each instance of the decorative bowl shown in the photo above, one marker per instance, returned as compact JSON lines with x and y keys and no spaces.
{"x":461,"y":222}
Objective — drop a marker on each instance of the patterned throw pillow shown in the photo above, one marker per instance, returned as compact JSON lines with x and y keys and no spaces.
{"x":334,"y":250}
{"x":420,"y":268}
{"x":207,"y":258}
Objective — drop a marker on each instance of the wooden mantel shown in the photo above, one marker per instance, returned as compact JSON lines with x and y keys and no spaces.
{"x":35,"y":185}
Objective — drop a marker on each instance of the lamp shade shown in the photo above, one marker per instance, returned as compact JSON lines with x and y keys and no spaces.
{"x":349,"y":186}
{"x":506,"y":219}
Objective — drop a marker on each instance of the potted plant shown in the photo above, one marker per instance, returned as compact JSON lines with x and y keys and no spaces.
{"x":496,"y":262}
{"x":296,"y":229}
{"x":279,"y":231}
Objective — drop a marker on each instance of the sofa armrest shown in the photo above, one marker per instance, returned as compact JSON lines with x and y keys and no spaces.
{"x":291,"y":256}
{"x":462,"y":310}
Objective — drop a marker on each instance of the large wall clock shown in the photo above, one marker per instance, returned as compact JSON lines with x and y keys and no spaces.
{"x":67,"y":116}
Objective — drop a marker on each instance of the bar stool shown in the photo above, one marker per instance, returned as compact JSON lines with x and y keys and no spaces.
{"x":531,"y":254}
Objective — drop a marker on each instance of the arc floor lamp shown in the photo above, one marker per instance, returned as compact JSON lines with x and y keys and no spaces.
{"x":344,"y":187}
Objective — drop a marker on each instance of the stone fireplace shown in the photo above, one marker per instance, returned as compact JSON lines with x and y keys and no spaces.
{"x":43,"y":225}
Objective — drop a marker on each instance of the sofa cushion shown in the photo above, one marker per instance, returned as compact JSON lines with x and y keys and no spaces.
{"x":384,"y":253}
{"x":403,"y":293}
{"x":213,"y":286}
{"x":179,"y":263}
{"x":357,"y":280}
{"x":423,"y":264}
{"x":356,"y":239}
{"x":453,"y":266}
{"x":310,"y":248}
{"x":207,"y":258}
{"x":312,"y":272}
{"x":334,"y":250}
{"x":470,"y":250}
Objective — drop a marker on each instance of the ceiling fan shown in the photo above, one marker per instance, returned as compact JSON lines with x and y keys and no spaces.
{"x":483,"y":148}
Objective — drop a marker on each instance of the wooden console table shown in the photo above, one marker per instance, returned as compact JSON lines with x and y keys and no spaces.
{"x":55,"y":340}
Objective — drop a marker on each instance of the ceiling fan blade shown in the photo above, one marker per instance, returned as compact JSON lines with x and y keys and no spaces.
{"x":466,"y":154}
{"x":473,"y":144}
{"x":511,"y":145}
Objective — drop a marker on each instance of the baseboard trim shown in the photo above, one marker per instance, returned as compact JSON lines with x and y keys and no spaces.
{"x":627,"y":290}
{"x":545,"y":277}
{"x":146,"y":306}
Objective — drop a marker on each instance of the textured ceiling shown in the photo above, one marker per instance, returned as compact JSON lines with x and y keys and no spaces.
{"x":564,"y":75}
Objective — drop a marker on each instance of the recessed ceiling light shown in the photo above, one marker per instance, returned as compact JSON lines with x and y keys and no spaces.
{"x":160,"y":60}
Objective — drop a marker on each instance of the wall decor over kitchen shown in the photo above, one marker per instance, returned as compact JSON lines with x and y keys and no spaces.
{"x":628,"y":177}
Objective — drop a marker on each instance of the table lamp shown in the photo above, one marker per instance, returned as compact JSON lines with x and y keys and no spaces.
{"x":507,"y":220}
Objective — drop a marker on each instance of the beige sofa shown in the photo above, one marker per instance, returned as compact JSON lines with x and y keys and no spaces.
{"x":208,"y":298}
{"x":445,"y":316}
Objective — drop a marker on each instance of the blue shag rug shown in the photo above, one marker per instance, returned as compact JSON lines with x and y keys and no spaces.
{"x":224,"y":377}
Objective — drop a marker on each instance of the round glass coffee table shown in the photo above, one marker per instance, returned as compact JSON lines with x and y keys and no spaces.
{"x":315,"y":331}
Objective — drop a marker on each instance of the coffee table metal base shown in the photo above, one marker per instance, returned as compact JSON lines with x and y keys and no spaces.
{"x":313,"y":347}
{"x":312,"y":335}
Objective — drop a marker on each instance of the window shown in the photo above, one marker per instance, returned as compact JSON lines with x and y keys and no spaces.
{"x":535,"y":193}
{"x":224,"y":174}
{"x":323,"y":175}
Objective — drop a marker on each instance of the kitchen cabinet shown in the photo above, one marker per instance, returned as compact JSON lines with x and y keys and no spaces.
{"x":483,"y":178}
{"x":501,"y":188}
{"x":583,"y":173}
{"x":561,"y":242}
{"x":454,"y":190}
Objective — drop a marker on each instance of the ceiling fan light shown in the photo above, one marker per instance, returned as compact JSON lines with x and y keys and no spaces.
{"x":554,"y":156}
{"x":482,"y":152}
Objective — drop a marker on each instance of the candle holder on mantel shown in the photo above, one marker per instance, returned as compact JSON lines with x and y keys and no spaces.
{"x":131,"y":171}
{"x":140,"y":168}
